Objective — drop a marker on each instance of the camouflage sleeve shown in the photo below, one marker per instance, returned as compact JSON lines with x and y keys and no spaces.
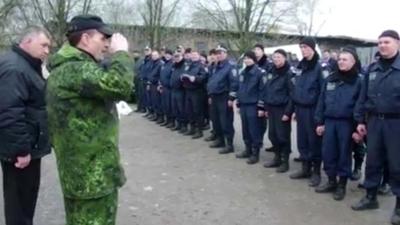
{"x":113,"y":84}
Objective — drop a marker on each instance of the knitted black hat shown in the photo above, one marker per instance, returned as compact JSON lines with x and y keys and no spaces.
{"x":168,"y":51}
{"x":309,"y":41}
{"x":251,"y":55}
{"x":281,"y":51}
{"x":390,"y":33}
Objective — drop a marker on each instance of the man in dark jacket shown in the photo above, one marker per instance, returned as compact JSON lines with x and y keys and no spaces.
{"x":23,"y":124}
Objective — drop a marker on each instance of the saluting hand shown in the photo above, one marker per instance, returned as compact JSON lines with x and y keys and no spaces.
{"x":261,"y":113}
{"x":118,"y":43}
{"x":362,"y":129}
{"x":285,"y":118}
{"x":230,"y":103}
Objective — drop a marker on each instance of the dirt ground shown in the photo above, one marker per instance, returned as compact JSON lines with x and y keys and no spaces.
{"x":174,"y":180}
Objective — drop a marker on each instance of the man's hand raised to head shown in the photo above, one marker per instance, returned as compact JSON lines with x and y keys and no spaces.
{"x":118,"y":43}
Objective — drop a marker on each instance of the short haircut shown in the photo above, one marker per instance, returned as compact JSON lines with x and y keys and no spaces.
{"x":32,"y":31}
{"x":75,"y":38}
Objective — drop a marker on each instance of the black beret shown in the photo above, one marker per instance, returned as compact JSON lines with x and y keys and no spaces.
{"x":88,"y":22}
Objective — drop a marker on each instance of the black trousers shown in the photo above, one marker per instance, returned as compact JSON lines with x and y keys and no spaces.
{"x":21,"y":187}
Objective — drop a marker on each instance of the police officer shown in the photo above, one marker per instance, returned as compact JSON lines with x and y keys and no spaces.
{"x":278,"y":104}
{"x":306,"y":89}
{"x":212,"y":62}
{"x":221,"y":85}
{"x":152,"y":87}
{"x":380,"y":101}
{"x":165,"y":89}
{"x":193,"y":82}
{"x":143,"y":72}
{"x":263,"y":63}
{"x":334,"y":116}
{"x":249,"y":100}
{"x":178,"y":93}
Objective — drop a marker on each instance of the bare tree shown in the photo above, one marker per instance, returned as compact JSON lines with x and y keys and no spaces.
{"x":245,"y":17}
{"x":305,"y":17}
{"x":157,"y":14}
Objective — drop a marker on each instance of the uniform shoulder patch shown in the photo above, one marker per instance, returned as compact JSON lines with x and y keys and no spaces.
{"x":234,"y":72}
{"x":372,"y":76}
{"x":325,"y":73}
{"x":330,"y":86}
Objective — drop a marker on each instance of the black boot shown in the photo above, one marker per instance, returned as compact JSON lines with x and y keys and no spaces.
{"x":384,"y":189}
{"x":275,"y":162}
{"x":395,"y":220}
{"x":154,"y":117}
{"x":177,"y":127}
{"x":356,"y":174}
{"x":367,"y":202}
{"x":160,"y":120}
{"x":255,"y":156}
{"x":315,"y":179}
{"x":165,"y":123}
{"x":183,"y":129}
{"x":270,"y":149}
{"x":297,"y":159}
{"x":171,"y":124}
{"x":228,"y":148}
{"x":190,"y":131}
{"x":284,"y":167}
{"x":147,"y":115}
{"x":304,"y":172}
{"x":217,"y":143}
{"x":340,"y":191}
{"x":245,"y":154}
{"x":328,"y":187}
{"x":198,"y":134}
{"x":212,"y":137}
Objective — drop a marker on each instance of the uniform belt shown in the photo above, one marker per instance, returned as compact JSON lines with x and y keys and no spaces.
{"x":383,"y":116}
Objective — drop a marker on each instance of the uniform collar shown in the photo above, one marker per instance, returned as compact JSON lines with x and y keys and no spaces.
{"x":396,"y":63}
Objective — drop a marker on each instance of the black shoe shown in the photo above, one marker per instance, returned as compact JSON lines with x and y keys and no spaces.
{"x":177,"y":127}
{"x":142,"y":111}
{"x":170,"y":125}
{"x":329,"y":187}
{"x":198,"y":134}
{"x":395,"y":220}
{"x":217,"y":144}
{"x":298,"y":159}
{"x":270,"y":149}
{"x":315,"y":180}
{"x":160,"y":120}
{"x":252,"y":160}
{"x":228,"y":149}
{"x":153,"y":118}
{"x":245,"y":154}
{"x":165,"y":123}
{"x":340,"y":191}
{"x":137,"y":110}
{"x":303,"y":173}
{"x":147,"y":115}
{"x":284,"y":167}
{"x":212,"y":137}
{"x":190,"y":131}
{"x":275,"y":162}
{"x":183,"y":129}
{"x":366,"y":203}
{"x":356,"y":175}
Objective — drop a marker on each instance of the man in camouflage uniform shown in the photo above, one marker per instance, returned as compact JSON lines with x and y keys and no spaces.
{"x":83,"y":118}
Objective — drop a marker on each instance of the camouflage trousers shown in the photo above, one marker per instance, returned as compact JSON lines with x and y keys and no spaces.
{"x":100,"y":211}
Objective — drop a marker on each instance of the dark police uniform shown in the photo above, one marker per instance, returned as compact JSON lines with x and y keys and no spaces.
{"x":380,"y":100}
{"x":306,"y":90}
{"x":153,"y":79}
{"x":165,"y":80}
{"x":143,"y":72}
{"x":178,"y":95}
{"x":194,"y":97}
{"x":249,"y":100}
{"x":220,"y":87}
{"x":278,"y":103}
{"x":266,"y":65}
{"x":335,"y":111}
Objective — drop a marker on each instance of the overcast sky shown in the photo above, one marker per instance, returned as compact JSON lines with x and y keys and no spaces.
{"x":360,"y":18}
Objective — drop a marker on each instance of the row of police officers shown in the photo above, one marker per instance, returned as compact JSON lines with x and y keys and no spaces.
{"x":339,"y":109}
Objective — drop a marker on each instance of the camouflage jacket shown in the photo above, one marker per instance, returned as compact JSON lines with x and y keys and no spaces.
{"x":83,"y":120}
